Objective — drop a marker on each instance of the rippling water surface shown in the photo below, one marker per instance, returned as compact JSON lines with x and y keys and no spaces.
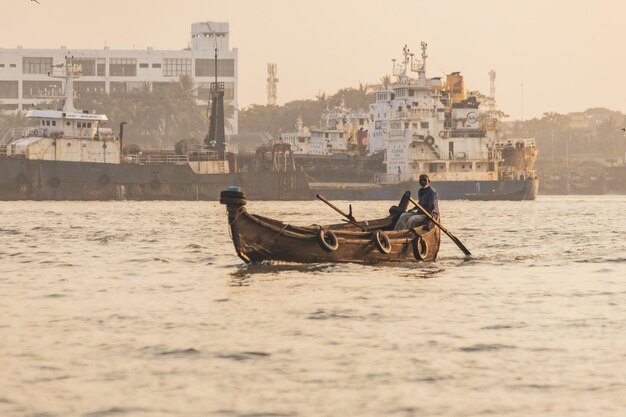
{"x":143,"y":309}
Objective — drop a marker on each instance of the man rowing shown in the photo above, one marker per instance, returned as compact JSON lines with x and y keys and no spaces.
{"x":427,"y":198}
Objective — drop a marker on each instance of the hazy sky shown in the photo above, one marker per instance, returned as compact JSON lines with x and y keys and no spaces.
{"x":569,"y":55}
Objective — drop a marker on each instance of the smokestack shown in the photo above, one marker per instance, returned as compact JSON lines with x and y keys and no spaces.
{"x":217,"y":137}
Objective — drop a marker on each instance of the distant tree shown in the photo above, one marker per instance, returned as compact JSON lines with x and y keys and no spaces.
{"x":385,"y":80}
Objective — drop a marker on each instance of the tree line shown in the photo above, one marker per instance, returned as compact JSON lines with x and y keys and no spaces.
{"x":594,"y":134}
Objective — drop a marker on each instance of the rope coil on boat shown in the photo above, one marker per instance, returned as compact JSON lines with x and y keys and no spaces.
{"x":382,"y":242}
{"x":420,"y":248}
{"x":328,"y":240}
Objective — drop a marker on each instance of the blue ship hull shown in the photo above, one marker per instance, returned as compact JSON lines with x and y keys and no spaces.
{"x":446,"y":190}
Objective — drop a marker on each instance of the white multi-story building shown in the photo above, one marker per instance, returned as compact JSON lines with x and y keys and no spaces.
{"x":24,"y":80}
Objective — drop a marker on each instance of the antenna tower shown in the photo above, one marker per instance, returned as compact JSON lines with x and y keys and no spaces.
{"x":271,"y":84}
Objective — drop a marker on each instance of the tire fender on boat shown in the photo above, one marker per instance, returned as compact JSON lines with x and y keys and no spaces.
{"x":420,"y":248}
{"x":429,"y":140}
{"x":328,"y":240}
{"x":382,"y":242}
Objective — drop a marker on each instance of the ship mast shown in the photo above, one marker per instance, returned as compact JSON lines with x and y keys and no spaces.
{"x":72,"y":71}
{"x":271,"y":84}
{"x":422,"y":68}
{"x":216,"y":137}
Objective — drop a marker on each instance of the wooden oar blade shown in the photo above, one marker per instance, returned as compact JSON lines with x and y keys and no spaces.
{"x":459,"y":244}
{"x":443,"y":229}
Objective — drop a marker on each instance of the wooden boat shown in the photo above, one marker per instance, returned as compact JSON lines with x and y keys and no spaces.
{"x":258,"y":238}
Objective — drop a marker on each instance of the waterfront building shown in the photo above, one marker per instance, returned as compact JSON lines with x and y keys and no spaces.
{"x":24,"y":80}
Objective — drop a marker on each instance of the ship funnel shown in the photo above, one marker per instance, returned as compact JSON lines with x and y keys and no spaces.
{"x":456,"y":85}
{"x":122,"y":130}
{"x":217,"y":138}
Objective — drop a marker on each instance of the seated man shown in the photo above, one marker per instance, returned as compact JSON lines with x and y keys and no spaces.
{"x":427,"y":197}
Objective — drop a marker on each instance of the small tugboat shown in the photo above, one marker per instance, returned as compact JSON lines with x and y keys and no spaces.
{"x":258,"y":238}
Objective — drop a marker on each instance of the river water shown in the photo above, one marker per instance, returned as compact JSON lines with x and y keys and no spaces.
{"x":143,"y":309}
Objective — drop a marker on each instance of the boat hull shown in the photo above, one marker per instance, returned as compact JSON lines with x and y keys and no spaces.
{"x":446,"y":190}
{"x":259,"y":239}
{"x":23,"y":179}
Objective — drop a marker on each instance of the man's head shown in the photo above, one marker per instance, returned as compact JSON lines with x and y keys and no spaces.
{"x":424,"y":180}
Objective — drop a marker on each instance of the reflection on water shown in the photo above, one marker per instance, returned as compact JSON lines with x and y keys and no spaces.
{"x":130,"y":308}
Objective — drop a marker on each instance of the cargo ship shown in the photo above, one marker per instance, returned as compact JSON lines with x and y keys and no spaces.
{"x":72,"y":155}
{"x":433,"y":126}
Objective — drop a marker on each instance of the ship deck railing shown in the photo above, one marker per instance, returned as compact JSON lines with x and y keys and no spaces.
{"x":157,"y":159}
{"x":15,"y":133}
{"x":169,"y":158}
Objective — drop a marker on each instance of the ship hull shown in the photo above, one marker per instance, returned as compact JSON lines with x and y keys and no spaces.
{"x":446,"y":190}
{"x":22,"y":179}
{"x":353,"y":168}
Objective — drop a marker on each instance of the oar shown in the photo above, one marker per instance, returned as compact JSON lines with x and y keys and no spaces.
{"x":450,"y":235}
{"x":349,"y":216}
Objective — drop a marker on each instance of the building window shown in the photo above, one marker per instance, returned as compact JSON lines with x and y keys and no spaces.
{"x":424,"y":125}
{"x":117,"y":87}
{"x":1,"y":65}
{"x":156,"y":65}
{"x":87,"y":65}
{"x":40,"y":89}
{"x":144,"y":65}
{"x":86,"y":87}
{"x":175,"y":67}
{"x":101,"y":66}
{"x":206,"y":68}
{"x":36,"y":65}
{"x":122,"y":67}
{"x":8,"y":89}
{"x":12,"y":65}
